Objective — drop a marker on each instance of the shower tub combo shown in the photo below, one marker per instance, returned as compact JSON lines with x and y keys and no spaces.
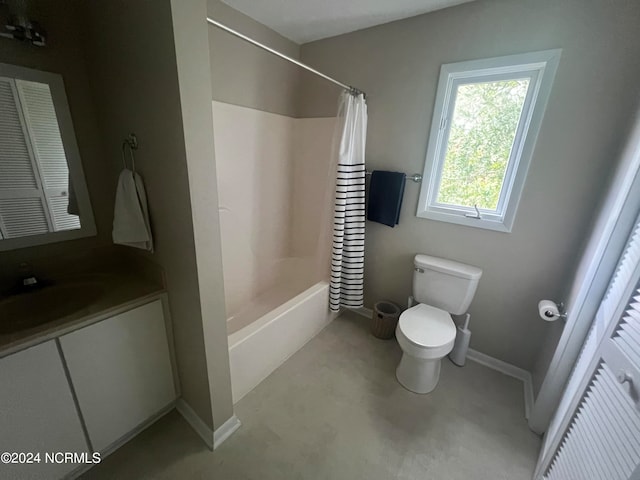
{"x":274,"y":217}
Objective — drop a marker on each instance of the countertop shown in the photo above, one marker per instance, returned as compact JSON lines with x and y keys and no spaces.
{"x":120,"y":291}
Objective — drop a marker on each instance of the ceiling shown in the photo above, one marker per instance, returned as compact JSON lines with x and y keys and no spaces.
{"x":306,"y":20}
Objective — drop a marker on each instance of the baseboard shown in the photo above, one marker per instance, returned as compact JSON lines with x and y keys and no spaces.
{"x":362,"y":311}
{"x":78,"y":472}
{"x":487,"y":361}
{"x":225,"y":431}
{"x":528,"y":396}
{"x":507,"y":369}
{"x":198,"y":425}
{"x":212,"y":438}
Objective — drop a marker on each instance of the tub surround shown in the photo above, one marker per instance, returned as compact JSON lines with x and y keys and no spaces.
{"x":296,"y":275}
{"x":312,"y":189}
{"x":273,"y":184}
{"x":254,"y":163}
{"x":274,"y":192}
{"x":274,"y":196}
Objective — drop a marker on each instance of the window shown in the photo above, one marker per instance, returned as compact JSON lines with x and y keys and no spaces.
{"x":485,"y":123}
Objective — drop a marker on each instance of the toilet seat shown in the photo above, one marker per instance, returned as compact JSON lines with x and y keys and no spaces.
{"x":424,"y":331}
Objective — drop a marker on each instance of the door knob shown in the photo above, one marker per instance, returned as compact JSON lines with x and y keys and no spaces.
{"x":624,"y":377}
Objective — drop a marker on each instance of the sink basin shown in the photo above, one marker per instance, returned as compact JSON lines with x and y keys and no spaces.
{"x":29,"y":310}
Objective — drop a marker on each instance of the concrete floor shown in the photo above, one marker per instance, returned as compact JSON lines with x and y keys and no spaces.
{"x":335,"y":411}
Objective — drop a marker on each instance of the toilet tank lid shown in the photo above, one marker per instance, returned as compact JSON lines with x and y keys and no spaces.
{"x":447,"y":266}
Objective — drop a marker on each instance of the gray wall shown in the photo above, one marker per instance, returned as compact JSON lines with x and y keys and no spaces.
{"x":545,"y":355}
{"x":131,"y":53}
{"x":242,"y":74}
{"x":397,"y":64}
{"x":191,"y":44}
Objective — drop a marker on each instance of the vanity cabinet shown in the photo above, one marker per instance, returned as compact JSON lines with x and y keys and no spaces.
{"x":37,"y":412}
{"x":121,"y":371}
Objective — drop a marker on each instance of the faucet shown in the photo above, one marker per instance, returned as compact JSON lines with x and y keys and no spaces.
{"x":28,"y":280}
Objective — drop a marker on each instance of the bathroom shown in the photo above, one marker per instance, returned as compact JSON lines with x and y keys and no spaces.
{"x":244,"y":354}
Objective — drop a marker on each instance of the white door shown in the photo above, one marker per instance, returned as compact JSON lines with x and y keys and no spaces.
{"x":599,"y":259}
{"x":121,"y":371}
{"x":596,"y":431}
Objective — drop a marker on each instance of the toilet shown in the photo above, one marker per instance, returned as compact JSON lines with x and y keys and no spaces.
{"x":426,"y":332}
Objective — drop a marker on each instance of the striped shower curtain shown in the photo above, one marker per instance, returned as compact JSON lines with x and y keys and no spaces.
{"x":347,"y":256}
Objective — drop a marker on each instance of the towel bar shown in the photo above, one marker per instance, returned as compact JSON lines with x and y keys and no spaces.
{"x":416,"y":177}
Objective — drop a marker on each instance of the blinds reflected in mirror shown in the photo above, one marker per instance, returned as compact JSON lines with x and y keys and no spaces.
{"x":34,"y":176}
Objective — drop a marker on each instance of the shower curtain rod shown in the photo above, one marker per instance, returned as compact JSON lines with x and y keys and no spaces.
{"x":250,"y":40}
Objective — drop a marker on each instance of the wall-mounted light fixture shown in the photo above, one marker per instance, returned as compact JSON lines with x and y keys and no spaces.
{"x":15,"y":25}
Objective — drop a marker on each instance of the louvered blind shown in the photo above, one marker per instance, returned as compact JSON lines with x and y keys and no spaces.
{"x":22,"y":217}
{"x":34,"y":176}
{"x":44,"y":132}
{"x":40,"y":116}
{"x":22,"y":207}
{"x":602,"y":442}
{"x":16,"y":168}
{"x":627,"y":333}
{"x":62,"y":220}
{"x":580,"y":370}
{"x":624,"y":273}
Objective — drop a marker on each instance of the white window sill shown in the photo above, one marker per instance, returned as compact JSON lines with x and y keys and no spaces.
{"x":459,"y":219}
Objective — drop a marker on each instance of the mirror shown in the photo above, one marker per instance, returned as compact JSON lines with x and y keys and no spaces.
{"x":43,"y":194}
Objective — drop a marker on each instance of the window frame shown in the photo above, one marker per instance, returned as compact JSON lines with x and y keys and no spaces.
{"x":540,"y":68}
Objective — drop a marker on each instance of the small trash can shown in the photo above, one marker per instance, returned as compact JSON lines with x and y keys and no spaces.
{"x":384,"y":319}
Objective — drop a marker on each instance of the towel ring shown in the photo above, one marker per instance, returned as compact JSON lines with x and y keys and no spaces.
{"x":132,"y":142}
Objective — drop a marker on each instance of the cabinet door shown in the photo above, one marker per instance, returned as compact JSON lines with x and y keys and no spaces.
{"x":121,"y":371}
{"x":37,"y":412}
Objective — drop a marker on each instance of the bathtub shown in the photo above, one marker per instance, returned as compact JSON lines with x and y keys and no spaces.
{"x":274,"y":326}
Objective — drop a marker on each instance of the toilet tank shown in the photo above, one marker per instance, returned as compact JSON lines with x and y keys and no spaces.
{"x":444,"y":283}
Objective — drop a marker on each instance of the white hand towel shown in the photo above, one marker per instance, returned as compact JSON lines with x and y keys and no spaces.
{"x":131,"y":225}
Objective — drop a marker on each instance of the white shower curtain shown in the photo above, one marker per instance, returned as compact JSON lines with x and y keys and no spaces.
{"x":347,"y":258}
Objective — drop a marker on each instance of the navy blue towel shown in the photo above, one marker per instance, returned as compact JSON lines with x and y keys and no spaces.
{"x":385,"y":197}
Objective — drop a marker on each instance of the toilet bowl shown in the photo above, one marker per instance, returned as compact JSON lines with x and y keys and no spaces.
{"x":426,"y":335}
{"x":426,"y":332}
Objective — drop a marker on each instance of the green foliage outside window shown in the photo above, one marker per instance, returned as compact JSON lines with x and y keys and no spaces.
{"x":483,"y":128}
